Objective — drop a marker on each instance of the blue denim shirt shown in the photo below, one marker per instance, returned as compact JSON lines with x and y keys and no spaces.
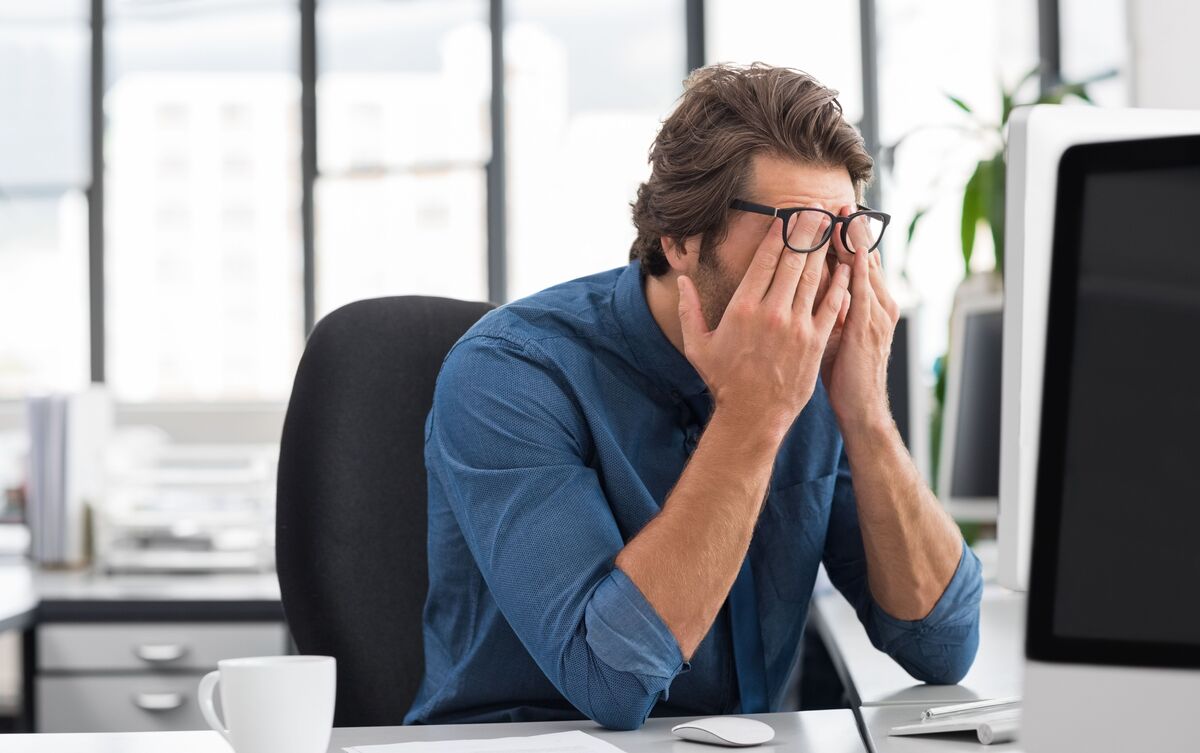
{"x":559,"y":424}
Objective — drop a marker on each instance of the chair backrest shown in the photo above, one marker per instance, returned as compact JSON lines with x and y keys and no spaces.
{"x":351,"y":500}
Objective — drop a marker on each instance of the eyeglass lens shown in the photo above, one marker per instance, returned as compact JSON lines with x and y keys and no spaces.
{"x":862,"y":233}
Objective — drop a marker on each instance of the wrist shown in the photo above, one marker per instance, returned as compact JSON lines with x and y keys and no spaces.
{"x":866,"y":424}
{"x":753,"y":434}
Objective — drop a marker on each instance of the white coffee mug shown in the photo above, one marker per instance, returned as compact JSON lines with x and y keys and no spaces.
{"x":273,"y":703}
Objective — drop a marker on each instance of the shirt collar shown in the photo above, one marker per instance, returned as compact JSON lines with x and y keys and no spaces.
{"x":658,"y":359}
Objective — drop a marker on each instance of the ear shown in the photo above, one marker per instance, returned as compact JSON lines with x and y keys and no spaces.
{"x":683,"y":258}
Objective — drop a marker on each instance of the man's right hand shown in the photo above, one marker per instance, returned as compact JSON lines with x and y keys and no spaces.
{"x":762,"y":360}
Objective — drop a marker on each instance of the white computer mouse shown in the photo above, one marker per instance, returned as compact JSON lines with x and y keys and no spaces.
{"x":732,"y":731}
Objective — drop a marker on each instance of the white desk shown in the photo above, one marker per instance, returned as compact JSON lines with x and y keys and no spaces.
{"x":803,"y":732}
{"x":872,"y":678}
{"x":28,"y":594}
{"x":877,"y":720}
{"x":887,"y":694}
{"x":216,"y":615}
{"x":18,"y":598}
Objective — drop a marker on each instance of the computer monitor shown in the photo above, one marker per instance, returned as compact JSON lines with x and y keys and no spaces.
{"x":1037,"y":138}
{"x":906,"y":387}
{"x":1113,"y":637}
{"x":969,"y":453}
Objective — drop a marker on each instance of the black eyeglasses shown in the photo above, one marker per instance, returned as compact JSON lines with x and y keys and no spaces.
{"x":868,"y":224}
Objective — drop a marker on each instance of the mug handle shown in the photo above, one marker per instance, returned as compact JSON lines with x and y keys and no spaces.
{"x":205,"y":695}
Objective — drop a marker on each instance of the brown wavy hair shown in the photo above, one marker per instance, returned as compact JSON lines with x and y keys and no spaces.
{"x":701,"y":159}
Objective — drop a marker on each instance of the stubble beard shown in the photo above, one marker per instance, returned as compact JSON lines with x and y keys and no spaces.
{"x":715,"y":286}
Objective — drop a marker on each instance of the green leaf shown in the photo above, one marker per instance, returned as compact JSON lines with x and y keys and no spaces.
{"x":972,"y":212}
{"x":912,"y":226}
{"x":1056,"y":95}
{"x":1009,"y":96}
{"x":995,"y":209}
{"x":935,"y":424}
{"x":1079,"y":90}
{"x":986,"y":189}
{"x":961,"y":105}
{"x":1029,"y":76}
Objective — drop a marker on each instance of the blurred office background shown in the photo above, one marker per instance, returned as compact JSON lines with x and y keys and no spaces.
{"x":186,"y":186}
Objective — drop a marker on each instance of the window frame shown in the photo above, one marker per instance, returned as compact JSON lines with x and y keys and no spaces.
{"x":692,"y":21}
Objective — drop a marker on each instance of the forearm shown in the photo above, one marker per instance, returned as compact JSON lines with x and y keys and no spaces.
{"x":912,"y":545}
{"x":685,"y":560}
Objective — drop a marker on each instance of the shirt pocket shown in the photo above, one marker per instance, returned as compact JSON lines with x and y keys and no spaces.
{"x":792,"y":531}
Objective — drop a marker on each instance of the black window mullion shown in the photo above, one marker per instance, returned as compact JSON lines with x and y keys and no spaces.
{"x":308,"y":154}
{"x":1049,"y":45}
{"x":694,"y":30}
{"x":95,"y":197}
{"x":497,"y":225}
{"x":869,"y":125}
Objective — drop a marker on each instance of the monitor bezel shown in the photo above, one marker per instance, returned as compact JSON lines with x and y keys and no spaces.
{"x":963,"y":508}
{"x":1042,"y":643}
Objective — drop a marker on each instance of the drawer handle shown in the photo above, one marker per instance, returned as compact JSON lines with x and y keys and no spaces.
{"x":158,"y":701}
{"x":159,"y":653}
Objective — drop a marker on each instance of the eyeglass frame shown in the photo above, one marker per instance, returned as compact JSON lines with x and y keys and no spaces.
{"x":786,"y":215}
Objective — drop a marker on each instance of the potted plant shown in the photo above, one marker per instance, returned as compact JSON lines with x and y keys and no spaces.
{"x":982,"y":200}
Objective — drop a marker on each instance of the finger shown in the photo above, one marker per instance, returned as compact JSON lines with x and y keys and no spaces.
{"x":879,"y":286}
{"x":835,"y":300}
{"x":691,"y":317}
{"x":810,"y":280}
{"x":860,"y":290}
{"x":826,"y":278}
{"x":843,"y":254}
{"x":845,"y":311}
{"x":758,"y":275}
{"x":809,"y":229}
{"x":791,"y":264}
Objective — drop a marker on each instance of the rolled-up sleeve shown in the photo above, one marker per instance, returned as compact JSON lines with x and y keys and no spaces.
{"x":506,"y":444}
{"x":938,"y":649}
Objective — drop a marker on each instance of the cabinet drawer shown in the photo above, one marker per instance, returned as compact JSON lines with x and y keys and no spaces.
{"x":118,"y":703}
{"x":140,"y":646}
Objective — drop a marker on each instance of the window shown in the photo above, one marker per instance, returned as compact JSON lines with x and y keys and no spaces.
{"x":204,"y":288}
{"x":203,"y":253}
{"x":403,"y":139}
{"x":44,"y":170}
{"x":1094,"y":38}
{"x":819,"y":38}
{"x":586,"y":91}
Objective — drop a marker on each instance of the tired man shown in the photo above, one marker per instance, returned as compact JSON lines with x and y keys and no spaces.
{"x":634,"y":476}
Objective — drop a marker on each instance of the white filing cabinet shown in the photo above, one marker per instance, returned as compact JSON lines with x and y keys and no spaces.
{"x":125,"y":653}
{"x":127,"y":677}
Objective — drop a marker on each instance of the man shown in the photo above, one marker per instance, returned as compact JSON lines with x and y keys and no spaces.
{"x":634,"y":476}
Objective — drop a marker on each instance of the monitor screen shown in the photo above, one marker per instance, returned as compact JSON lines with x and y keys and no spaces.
{"x":976,"y":460}
{"x":1117,"y":542}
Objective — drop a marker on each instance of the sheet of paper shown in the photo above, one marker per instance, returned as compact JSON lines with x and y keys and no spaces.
{"x":558,"y":742}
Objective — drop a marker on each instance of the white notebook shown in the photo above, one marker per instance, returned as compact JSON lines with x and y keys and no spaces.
{"x":991,"y":726}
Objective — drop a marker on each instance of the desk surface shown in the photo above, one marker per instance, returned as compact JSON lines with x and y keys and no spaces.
{"x":817,"y":731}
{"x":28,"y":594}
{"x":876,"y":680}
{"x":18,"y":599}
{"x":879,"y":719}
{"x":85,"y":585}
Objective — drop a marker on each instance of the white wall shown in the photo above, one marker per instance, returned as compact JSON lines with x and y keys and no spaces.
{"x":1165,"y":58}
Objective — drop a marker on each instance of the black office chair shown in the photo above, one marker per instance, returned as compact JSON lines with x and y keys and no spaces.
{"x":351,"y":505}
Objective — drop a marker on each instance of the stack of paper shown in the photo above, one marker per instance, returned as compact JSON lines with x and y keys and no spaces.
{"x":559,"y":742}
{"x":67,"y":438}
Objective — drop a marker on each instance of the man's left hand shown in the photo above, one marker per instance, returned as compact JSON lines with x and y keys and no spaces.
{"x":854,"y":368}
